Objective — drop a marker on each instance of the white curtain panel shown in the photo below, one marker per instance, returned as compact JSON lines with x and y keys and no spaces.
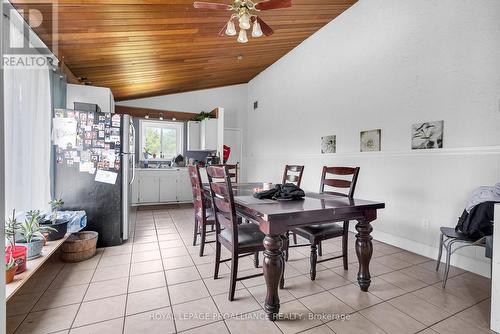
{"x":27,"y":139}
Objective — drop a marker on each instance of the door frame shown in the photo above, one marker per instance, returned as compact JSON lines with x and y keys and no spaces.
{"x":240,"y":132}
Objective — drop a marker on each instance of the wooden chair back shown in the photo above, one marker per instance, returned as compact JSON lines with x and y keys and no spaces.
{"x":199,"y":199}
{"x":293,"y":174}
{"x":232,"y":170}
{"x":340,"y":183}
{"x":223,"y":201}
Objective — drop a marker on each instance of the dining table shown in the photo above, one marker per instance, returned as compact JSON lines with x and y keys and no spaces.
{"x":275,"y":218}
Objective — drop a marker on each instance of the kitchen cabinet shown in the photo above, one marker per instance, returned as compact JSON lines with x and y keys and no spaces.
{"x":101,"y":96}
{"x":209,"y":134}
{"x":149,"y":189}
{"x":184,"y":188}
{"x":168,"y":187}
{"x":160,"y":186}
{"x":194,"y":136}
{"x":135,"y":189}
{"x":203,"y":136}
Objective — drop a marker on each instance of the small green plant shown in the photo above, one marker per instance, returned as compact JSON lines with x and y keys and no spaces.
{"x":201,"y":116}
{"x":9,"y":265}
{"x":31,"y":230}
{"x":56,"y":205}
{"x":11,"y":227}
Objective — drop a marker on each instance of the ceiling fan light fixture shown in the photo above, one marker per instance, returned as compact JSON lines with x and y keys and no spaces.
{"x":230,"y":29}
{"x":242,"y":36}
{"x":245,"y":21}
{"x":256,"y":30}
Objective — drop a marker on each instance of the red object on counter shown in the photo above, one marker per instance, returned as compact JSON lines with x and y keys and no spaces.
{"x":226,"y":152}
{"x":19,"y":254}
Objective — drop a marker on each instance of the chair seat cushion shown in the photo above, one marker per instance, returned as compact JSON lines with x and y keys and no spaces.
{"x":249,"y":235}
{"x":451,"y":233}
{"x":328,"y":230}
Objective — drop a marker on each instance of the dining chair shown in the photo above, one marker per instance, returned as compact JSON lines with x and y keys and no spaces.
{"x":239,"y":239}
{"x":293,"y":174}
{"x":203,"y":213}
{"x":340,"y":178}
{"x":233,"y":171}
{"x":454,"y":237}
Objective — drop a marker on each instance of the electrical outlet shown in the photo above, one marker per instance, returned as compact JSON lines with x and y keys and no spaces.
{"x":426,"y":223}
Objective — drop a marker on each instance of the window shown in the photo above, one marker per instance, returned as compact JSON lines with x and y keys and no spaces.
{"x":161,"y":140}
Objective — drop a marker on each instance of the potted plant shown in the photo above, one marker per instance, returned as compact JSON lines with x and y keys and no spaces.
{"x":10,"y":269}
{"x":31,"y":235}
{"x":147,"y":153}
{"x":16,"y":252}
{"x":60,"y":225}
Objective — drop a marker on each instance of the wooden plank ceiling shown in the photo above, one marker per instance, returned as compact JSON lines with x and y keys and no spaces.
{"x":156,"y":47}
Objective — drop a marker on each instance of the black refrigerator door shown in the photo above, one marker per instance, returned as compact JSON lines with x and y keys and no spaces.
{"x":77,"y":185}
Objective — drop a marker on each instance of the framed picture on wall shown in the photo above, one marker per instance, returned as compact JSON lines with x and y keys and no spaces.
{"x":427,"y":135}
{"x":328,"y":144}
{"x":370,"y":141}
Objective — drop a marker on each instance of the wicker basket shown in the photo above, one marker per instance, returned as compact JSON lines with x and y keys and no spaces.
{"x":79,"y":246}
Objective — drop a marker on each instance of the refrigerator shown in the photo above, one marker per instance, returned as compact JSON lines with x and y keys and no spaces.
{"x":94,"y":167}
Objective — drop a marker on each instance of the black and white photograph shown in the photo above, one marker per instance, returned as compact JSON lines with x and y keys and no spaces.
{"x":329,"y":144}
{"x":427,"y":135}
{"x":370,"y":141}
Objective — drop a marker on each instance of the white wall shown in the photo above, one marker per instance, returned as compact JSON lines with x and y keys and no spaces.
{"x":389,"y":64}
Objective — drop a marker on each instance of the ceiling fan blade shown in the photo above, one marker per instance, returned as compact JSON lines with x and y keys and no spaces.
{"x":223,"y":30}
{"x":267,"y":30}
{"x":273,"y":4}
{"x":210,"y":5}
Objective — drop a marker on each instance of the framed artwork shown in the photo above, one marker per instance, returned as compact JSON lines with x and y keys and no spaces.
{"x":370,"y":141}
{"x":427,"y":135}
{"x":329,"y":144}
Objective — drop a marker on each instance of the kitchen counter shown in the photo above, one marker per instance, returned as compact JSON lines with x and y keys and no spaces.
{"x":161,"y":169}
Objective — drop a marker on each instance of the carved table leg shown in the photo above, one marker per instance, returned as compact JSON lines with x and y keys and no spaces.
{"x":364,"y":250}
{"x":273,"y":267}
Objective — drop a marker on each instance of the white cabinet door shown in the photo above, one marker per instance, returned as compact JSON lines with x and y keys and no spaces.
{"x":135,"y":188}
{"x":184,"y":189}
{"x":168,"y":187}
{"x":193,"y":137}
{"x":149,"y":191}
{"x":209,"y":134}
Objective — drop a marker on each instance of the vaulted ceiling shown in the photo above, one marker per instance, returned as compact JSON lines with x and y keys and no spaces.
{"x":156,"y":47}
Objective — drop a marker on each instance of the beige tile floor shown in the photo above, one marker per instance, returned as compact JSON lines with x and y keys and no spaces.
{"x":157,"y":283}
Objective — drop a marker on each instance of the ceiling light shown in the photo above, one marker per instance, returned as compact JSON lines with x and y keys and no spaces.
{"x":231,"y":29}
{"x":147,"y":116}
{"x":160,"y":117}
{"x":174,"y":119}
{"x":242,"y":37}
{"x":256,"y":31}
{"x":245,"y":21}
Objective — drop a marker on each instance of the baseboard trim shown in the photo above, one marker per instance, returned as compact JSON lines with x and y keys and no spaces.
{"x":460,"y":261}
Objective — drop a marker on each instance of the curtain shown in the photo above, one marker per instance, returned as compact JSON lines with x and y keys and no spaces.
{"x":27,"y":139}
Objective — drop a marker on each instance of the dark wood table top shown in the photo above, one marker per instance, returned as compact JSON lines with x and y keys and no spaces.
{"x":279,"y":216}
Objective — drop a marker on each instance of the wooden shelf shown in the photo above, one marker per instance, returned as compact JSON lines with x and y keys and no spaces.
{"x":32,"y":266}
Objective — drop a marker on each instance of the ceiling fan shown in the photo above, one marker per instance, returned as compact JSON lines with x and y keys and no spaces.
{"x":245,"y":11}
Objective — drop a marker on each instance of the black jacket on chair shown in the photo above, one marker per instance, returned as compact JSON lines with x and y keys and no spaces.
{"x":479,"y":222}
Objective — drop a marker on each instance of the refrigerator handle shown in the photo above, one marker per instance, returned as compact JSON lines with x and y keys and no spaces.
{"x":133,"y":154}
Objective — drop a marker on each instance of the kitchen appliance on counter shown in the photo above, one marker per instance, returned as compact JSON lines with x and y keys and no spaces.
{"x":212,"y":160}
{"x":94,"y":170}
